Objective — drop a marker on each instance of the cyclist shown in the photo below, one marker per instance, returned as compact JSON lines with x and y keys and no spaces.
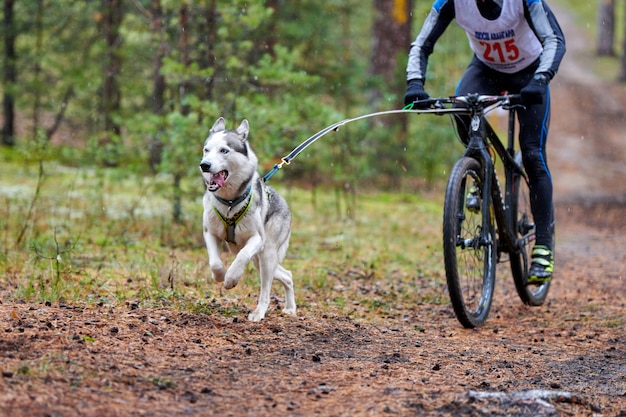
{"x":518,"y":47}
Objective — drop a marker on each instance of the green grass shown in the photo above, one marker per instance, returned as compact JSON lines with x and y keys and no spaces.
{"x":104,"y":236}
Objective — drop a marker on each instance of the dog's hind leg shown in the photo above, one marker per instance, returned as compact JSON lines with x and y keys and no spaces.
{"x":284,"y":277}
{"x":266,"y":268}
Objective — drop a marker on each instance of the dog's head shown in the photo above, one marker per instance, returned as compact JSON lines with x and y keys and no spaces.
{"x":227,"y":160}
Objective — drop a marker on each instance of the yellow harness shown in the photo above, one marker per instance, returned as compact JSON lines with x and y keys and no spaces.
{"x":231,"y":222}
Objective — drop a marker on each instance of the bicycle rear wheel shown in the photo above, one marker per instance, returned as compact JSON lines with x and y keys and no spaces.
{"x":469,"y":258}
{"x":523,"y":224}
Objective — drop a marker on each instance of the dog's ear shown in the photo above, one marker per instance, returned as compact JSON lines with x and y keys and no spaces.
{"x":243,"y":129}
{"x":219,"y":125}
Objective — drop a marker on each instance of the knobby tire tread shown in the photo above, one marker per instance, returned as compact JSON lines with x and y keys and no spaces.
{"x":518,"y":193}
{"x":454,"y":205}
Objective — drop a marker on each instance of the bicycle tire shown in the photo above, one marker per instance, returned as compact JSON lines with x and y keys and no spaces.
{"x":522,"y":222}
{"x":470,"y":263}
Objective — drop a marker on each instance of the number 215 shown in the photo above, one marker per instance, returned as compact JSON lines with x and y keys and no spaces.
{"x":496,"y":48}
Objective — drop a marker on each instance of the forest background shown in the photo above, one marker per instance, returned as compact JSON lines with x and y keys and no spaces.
{"x":106,"y":105}
{"x":138,"y":83}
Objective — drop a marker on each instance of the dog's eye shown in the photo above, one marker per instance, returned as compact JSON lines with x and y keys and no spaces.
{"x":224,"y":151}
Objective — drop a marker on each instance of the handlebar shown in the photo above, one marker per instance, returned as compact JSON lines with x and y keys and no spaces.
{"x":471,"y":102}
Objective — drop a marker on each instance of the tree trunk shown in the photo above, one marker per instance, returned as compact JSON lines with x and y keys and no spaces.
{"x":622,"y":73}
{"x":37,"y":68}
{"x":111,"y":96}
{"x":391,"y":37}
{"x":184,"y":86}
{"x":208,"y":59}
{"x":158,"y":81}
{"x":183,"y":89}
{"x":177,"y":207}
{"x":9,"y":75}
{"x":606,"y":28}
{"x":158,"y":92}
{"x":39,"y":132}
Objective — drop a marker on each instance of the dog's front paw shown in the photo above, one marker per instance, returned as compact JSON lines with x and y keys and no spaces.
{"x":218,"y":273}
{"x":230,"y":283}
{"x":233,"y":275}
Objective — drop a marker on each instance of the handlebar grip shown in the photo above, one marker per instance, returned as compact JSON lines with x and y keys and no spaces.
{"x":425,"y":103}
{"x":515,"y":99}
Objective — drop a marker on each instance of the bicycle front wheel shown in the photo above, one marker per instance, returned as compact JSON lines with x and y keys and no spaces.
{"x":523,"y":224}
{"x":469,"y":246}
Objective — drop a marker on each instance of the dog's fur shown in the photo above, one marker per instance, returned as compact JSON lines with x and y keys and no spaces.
{"x":229,"y":168}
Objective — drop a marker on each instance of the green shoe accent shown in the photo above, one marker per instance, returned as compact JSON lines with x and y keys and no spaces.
{"x":535,"y":280}
{"x":542,"y":265}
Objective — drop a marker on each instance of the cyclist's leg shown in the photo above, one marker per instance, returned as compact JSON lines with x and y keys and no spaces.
{"x":534,"y":124}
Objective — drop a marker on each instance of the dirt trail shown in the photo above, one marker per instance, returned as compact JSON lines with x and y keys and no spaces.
{"x":571,"y":351}
{"x":586,"y":144}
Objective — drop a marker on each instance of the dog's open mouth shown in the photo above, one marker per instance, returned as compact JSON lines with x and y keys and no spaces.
{"x":217,"y":180}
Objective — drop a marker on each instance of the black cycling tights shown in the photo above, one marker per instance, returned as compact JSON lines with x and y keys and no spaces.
{"x":534,"y":123}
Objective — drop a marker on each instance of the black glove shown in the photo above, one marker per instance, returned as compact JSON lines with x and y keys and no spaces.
{"x":415,"y":91}
{"x":535,"y":91}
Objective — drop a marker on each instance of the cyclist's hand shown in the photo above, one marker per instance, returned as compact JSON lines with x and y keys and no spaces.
{"x":535,"y":91}
{"x":415,"y":91}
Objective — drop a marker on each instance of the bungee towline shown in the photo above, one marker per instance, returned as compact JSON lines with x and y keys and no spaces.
{"x":334,"y":127}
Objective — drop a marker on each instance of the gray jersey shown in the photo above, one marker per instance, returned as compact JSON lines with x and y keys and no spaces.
{"x":537,"y":15}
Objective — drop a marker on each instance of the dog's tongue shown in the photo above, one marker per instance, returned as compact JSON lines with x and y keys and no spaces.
{"x":219,"y":178}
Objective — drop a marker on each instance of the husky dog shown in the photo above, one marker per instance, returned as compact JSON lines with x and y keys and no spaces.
{"x":253,"y":219}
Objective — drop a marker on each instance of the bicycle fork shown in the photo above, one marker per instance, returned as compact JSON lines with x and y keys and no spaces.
{"x":477,"y":148}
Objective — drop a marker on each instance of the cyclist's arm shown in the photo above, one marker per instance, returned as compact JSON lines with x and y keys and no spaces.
{"x":435,"y":24}
{"x":547,"y":29}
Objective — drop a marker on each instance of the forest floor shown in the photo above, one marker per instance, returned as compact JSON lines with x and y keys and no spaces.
{"x":565,"y":358}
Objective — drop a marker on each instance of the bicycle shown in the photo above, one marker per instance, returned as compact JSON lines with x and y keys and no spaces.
{"x":479,"y":222}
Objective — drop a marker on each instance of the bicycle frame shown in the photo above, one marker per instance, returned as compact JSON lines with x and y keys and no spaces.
{"x":481,"y":136}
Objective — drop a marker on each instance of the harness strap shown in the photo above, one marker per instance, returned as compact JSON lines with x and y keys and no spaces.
{"x":231,"y":203}
{"x":231,"y":222}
